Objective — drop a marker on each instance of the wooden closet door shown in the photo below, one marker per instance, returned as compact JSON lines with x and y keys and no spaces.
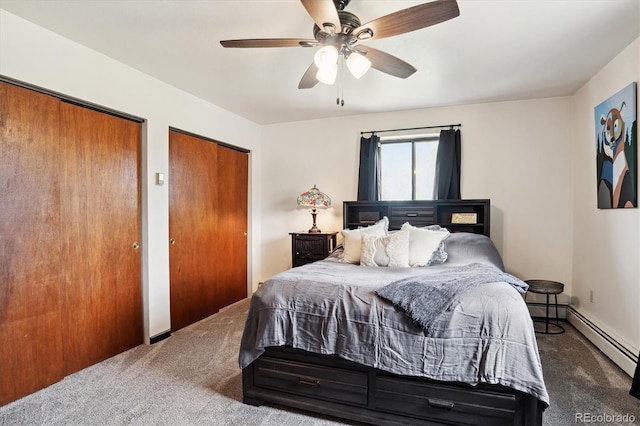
{"x":193,"y":252}
{"x":233,"y":175}
{"x":100,"y":223}
{"x":30,"y":335}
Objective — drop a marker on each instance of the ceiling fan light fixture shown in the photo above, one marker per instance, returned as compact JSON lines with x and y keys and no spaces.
{"x":358,"y":64}
{"x":326,"y":57}
{"x":327,"y":74}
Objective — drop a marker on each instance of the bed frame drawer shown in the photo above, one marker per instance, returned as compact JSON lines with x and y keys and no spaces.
{"x":331,"y":384}
{"x":416,"y":215}
{"x":431,"y":401}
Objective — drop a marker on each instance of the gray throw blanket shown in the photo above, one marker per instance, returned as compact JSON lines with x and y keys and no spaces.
{"x":425,"y":297}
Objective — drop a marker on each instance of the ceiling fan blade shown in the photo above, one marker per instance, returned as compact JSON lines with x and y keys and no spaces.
{"x":411,"y":19}
{"x":309,"y":78}
{"x":323,"y":12}
{"x":269,"y":42}
{"x":387,"y":63}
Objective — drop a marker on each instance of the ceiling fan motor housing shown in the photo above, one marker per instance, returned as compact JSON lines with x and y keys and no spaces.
{"x":348,"y":21}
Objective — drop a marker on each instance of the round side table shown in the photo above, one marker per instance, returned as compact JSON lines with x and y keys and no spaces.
{"x":547,"y":288}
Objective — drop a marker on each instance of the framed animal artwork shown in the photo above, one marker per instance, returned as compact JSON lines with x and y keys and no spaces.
{"x":616,"y":150}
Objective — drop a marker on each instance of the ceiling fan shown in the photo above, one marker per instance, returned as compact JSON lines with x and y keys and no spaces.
{"x":339,"y":33}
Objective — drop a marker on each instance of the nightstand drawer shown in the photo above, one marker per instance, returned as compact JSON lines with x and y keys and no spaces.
{"x":441,"y":403}
{"x":307,"y":247}
{"x":332,"y":384}
{"x":302,"y":259}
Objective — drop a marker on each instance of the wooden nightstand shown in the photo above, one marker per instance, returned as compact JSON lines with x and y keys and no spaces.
{"x":307,"y":248}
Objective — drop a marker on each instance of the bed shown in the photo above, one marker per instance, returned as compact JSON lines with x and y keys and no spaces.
{"x":354,"y":341}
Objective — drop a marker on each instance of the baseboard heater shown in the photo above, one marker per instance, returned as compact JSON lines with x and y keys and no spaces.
{"x":623,"y":356}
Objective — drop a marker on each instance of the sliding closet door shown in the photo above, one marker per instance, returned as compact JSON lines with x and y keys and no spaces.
{"x":193,"y":251}
{"x":30,"y":335}
{"x":233,"y":171}
{"x":100,"y":229}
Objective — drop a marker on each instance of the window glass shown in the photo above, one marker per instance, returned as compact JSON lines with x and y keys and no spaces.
{"x":408,"y":168}
{"x":396,"y":171}
{"x":425,"y":169}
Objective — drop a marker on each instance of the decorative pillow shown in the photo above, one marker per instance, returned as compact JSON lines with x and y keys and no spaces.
{"x":464,"y":248}
{"x":391,"y":250}
{"x":426,"y":246}
{"x":439,"y":256}
{"x":352,"y":239}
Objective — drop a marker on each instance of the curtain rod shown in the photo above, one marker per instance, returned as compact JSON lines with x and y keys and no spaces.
{"x":412,"y":128}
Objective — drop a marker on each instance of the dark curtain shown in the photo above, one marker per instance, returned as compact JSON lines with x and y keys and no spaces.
{"x":447,"y":176}
{"x":635,"y":387}
{"x":369,"y":173}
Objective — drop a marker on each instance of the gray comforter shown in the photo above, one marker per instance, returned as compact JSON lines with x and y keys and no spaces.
{"x":424,"y":298}
{"x":331,"y":307}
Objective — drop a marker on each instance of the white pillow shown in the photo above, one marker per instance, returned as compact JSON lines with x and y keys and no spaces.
{"x":391,"y":250}
{"x":423,"y":244}
{"x":352,"y":239}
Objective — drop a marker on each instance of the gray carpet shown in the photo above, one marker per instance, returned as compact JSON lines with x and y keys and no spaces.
{"x":583,"y":383}
{"x":193,"y":378}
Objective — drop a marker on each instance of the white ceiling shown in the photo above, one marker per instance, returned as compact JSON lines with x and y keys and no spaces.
{"x":495,"y":50}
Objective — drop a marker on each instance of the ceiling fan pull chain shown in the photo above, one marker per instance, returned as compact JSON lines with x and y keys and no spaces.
{"x":338,"y":82}
{"x":340,"y":86}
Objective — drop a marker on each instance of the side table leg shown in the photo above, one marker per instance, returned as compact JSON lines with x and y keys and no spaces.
{"x":546,"y":328}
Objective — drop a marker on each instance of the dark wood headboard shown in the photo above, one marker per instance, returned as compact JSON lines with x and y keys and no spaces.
{"x":455,"y":215}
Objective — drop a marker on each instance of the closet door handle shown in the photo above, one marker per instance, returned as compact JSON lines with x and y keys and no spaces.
{"x":135,"y":245}
{"x":172,"y":241}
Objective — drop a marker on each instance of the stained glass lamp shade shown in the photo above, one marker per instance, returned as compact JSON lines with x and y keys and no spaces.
{"x":314,"y":199}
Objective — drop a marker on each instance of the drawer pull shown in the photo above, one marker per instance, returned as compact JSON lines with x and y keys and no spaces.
{"x":309,"y":382}
{"x":441,"y":403}
{"x":412,"y":214}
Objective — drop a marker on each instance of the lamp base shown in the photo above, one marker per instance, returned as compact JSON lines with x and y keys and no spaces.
{"x":314,"y":229}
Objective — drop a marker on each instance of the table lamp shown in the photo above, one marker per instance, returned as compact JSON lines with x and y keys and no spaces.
{"x":314,"y":199}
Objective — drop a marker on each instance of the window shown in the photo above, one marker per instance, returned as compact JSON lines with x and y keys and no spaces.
{"x":408,"y":165}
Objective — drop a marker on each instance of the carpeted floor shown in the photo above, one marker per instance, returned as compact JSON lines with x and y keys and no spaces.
{"x":192,"y":378}
{"x":583,"y":383}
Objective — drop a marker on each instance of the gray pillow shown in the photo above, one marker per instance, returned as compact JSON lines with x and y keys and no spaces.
{"x":464,"y":248}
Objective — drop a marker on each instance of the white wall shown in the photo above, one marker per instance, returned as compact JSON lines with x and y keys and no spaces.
{"x":518,"y":154}
{"x":606,"y":256}
{"x":36,"y":56}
